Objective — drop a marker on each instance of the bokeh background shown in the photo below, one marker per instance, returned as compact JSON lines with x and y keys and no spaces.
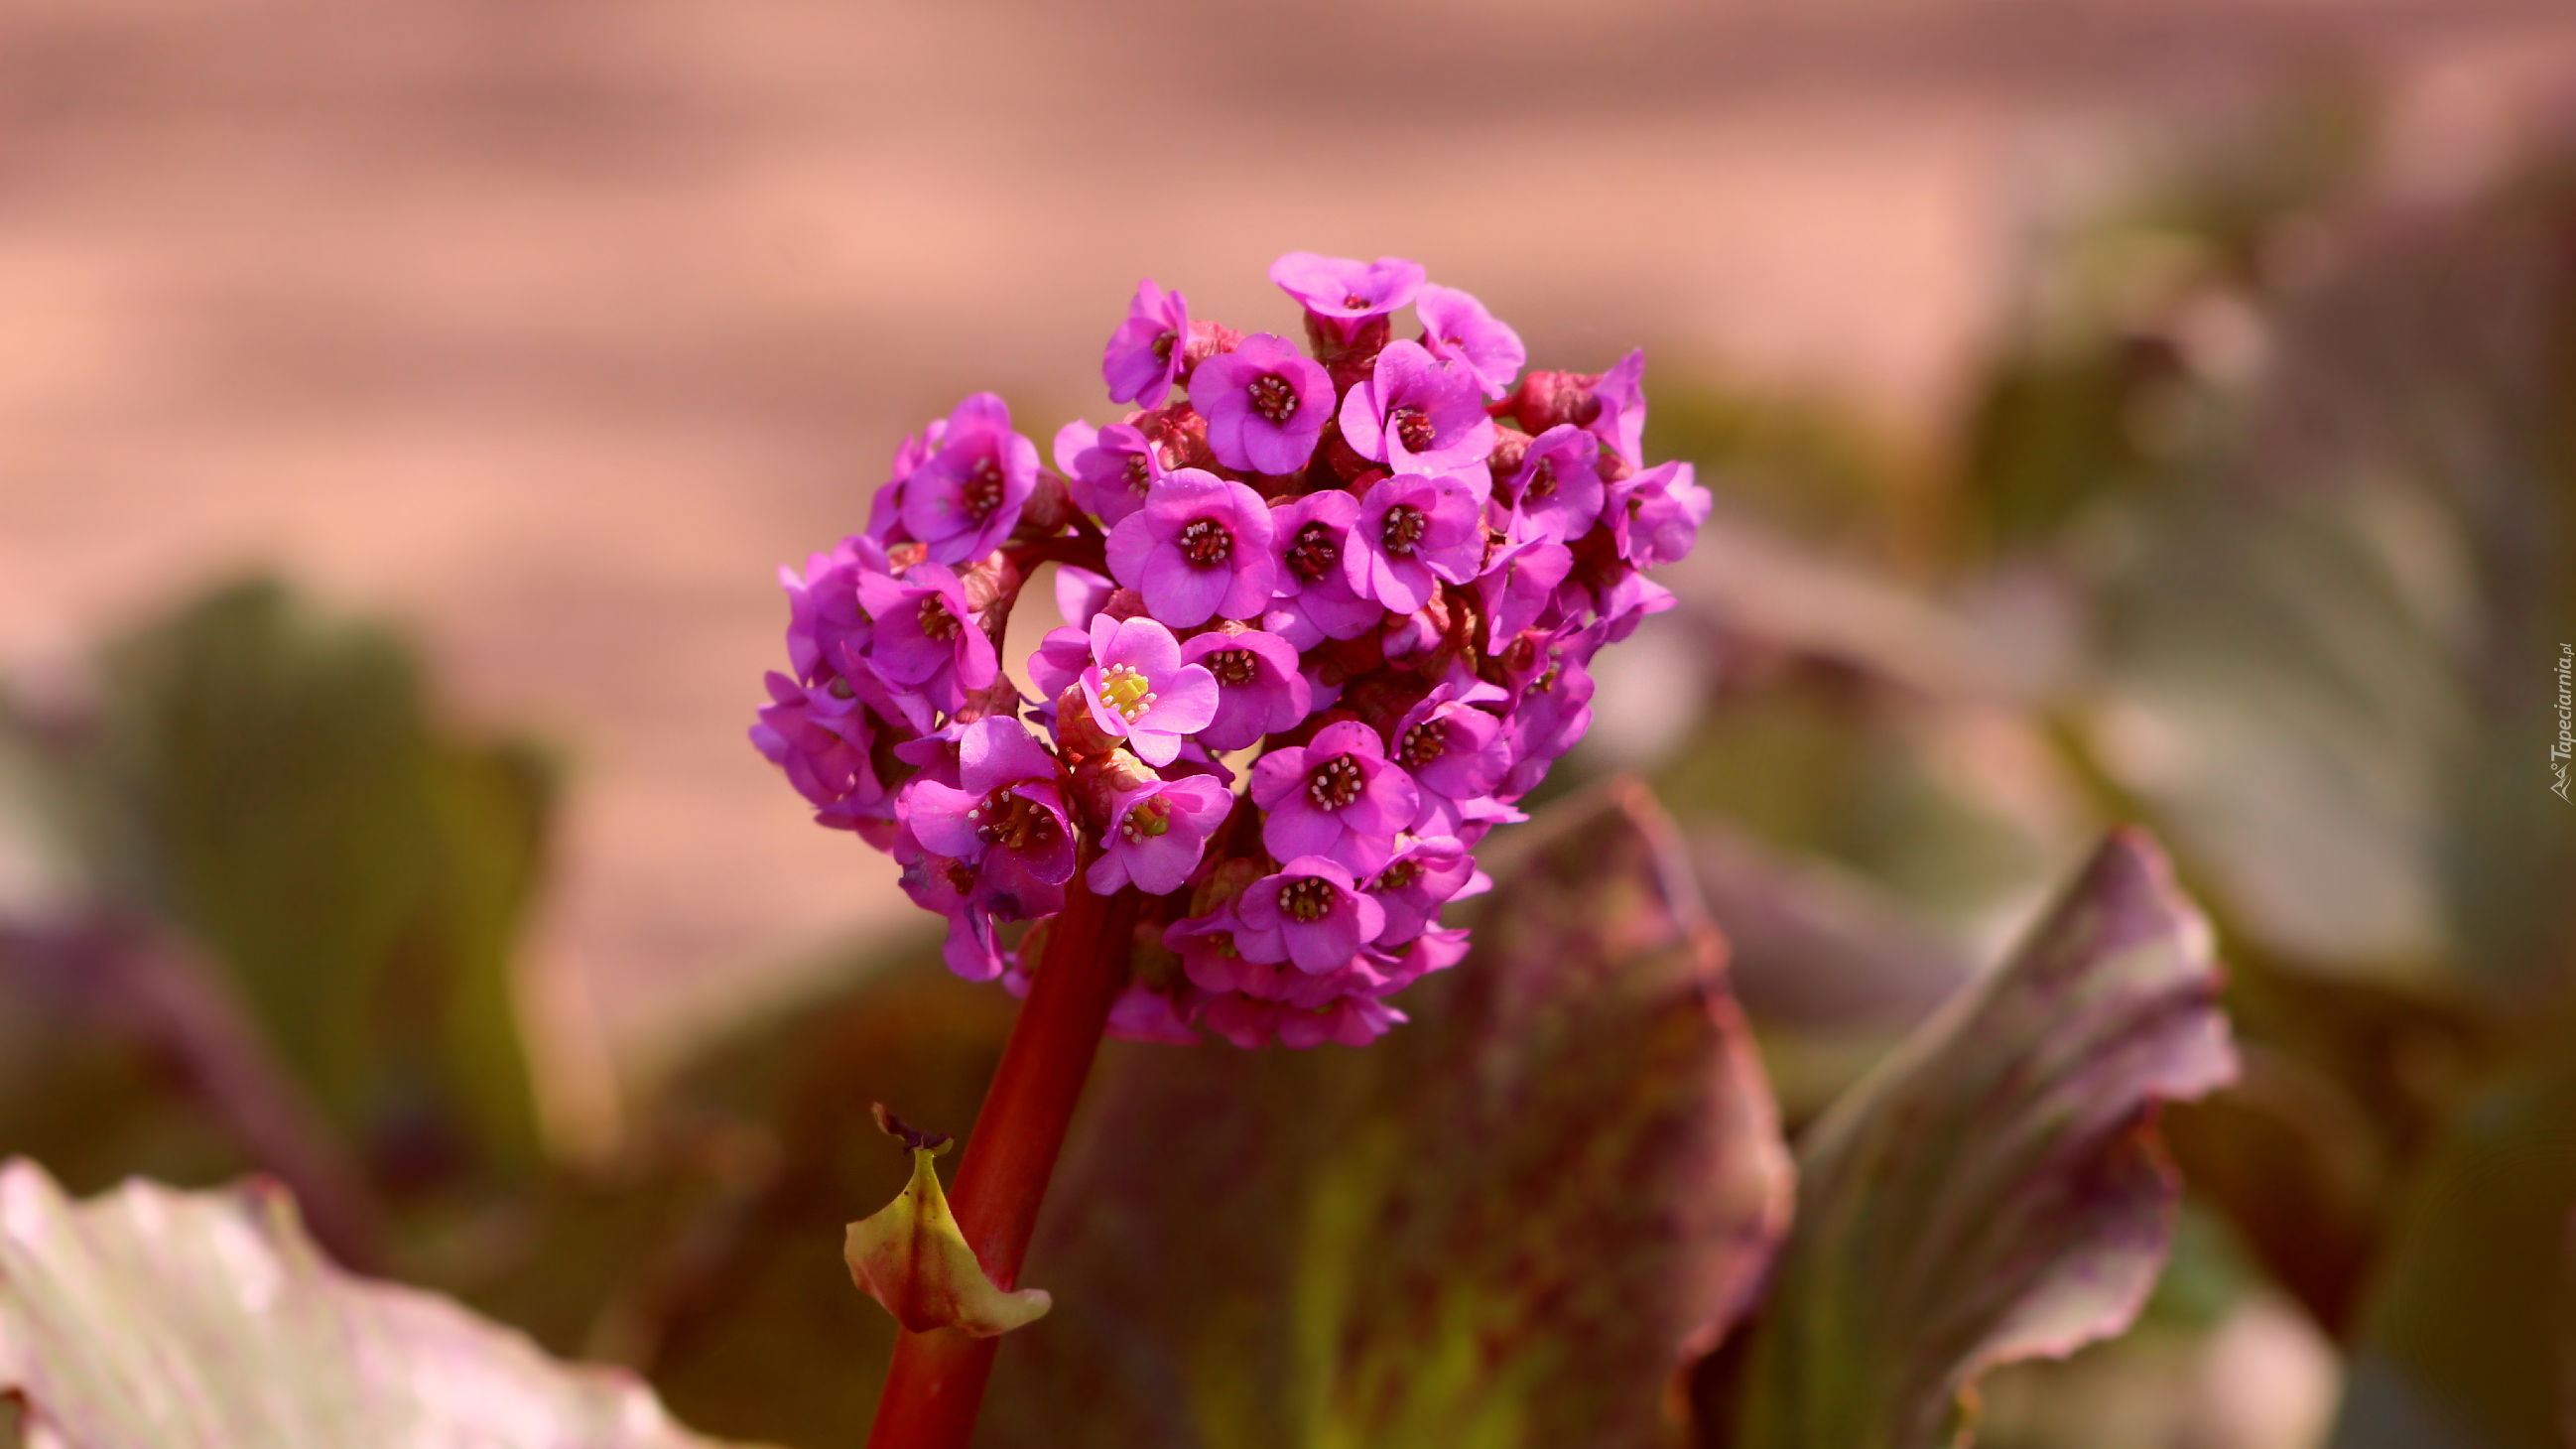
{"x":2118,"y":409}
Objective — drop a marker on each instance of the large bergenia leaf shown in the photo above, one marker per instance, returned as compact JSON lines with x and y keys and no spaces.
{"x":1496,"y":1226}
{"x":1995,"y":1191}
{"x":154,"y":1319}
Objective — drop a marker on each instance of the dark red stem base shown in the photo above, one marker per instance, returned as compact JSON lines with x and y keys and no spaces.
{"x":936,"y":1382}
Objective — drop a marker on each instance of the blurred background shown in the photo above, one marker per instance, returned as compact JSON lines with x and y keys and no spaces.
{"x":2118,"y":410}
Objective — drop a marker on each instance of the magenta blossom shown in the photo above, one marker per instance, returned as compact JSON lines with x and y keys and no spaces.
{"x":1557,"y":492}
{"x":1259,"y":688}
{"x":1417,"y":414}
{"x":1627,"y":600}
{"x":1551,"y":706}
{"x":1265,"y":404}
{"x":1622,"y":394}
{"x":1157,"y":832}
{"x":1311,"y":913}
{"x":1333,"y":572}
{"x":1315,"y":601}
{"x":1199,"y":549}
{"x":1425,"y":874}
{"x":820,"y":735}
{"x":885,"y":511}
{"x":1412,"y":532}
{"x":1457,"y":328}
{"x":1345,"y":293}
{"x":1107,"y":470}
{"x":1455,"y":753}
{"x":1655,"y":515}
{"x":827,"y":632}
{"x":951,"y":887}
{"x":1336,"y":796}
{"x":1140,"y":691}
{"x":1008,"y":799}
{"x":927,"y":640}
{"x":1144,"y":356}
{"x":965,"y":498}
{"x":1519,"y":586}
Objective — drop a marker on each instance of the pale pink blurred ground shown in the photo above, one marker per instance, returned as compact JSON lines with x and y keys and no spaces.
{"x":551,"y":326}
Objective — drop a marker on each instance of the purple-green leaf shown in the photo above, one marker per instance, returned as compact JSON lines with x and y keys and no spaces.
{"x":1995,"y":1191}
{"x":1496,"y":1226}
{"x":149,"y":1318}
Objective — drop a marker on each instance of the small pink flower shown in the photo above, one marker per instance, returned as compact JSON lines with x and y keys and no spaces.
{"x":1556,"y":493}
{"x":1311,"y":913}
{"x":1158,"y":832}
{"x":1519,"y":586}
{"x":966,"y":498}
{"x":1265,"y":404}
{"x":1140,"y":691}
{"x":1314,"y":600}
{"x":1107,"y":470}
{"x":1145,"y":354}
{"x":1412,"y":532}
{"x":1457,"y":328}
{"x":1259,"y":689}
{"x":1199,"y":549}
{"x":1417,"y":414}
{"x":1655,"y":515}
{"x":1337,"y":796}
{"x":1622,"y":420}
{"x":927,"y":639}
{"x":1345,"y":293}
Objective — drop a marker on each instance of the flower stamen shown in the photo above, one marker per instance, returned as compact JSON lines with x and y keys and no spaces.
{"x":1403,"y":528}
{"x":1273,"y":398}
{"x":1335,"y":783}
{"x":1127,"y":691}
{"x":1206,"y":542}
{"x":1310,"y":899}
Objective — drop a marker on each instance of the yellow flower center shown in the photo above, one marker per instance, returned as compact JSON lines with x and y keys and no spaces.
{"x":1127,"y":691}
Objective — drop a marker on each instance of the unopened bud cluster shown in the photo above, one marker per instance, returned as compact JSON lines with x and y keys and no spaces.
{"x":1331,"y":612}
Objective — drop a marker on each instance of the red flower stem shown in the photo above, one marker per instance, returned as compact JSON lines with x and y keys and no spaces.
{"x":937,"y":1379}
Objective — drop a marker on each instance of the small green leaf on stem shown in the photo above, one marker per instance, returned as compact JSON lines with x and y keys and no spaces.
{"x":912,"y":1258}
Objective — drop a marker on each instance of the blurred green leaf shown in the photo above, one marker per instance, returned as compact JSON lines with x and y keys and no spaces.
{"x":208,"y":1321}
{"x":1995,"y":1191}
{"x":271,"y":784}
{"x":2459,"y":1338}
{"x":1496,"y":1226}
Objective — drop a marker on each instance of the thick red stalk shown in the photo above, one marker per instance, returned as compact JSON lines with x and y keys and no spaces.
{"x":937,"y":1378}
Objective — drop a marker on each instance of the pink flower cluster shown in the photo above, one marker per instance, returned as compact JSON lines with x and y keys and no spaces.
{"x":1330,"y":616}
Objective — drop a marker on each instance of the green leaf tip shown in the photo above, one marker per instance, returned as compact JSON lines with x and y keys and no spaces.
{"x":912,"y":1258}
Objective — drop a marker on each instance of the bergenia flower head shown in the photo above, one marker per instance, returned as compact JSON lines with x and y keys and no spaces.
{"x":1145,"y":355}
{"x":1326,"y":623}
